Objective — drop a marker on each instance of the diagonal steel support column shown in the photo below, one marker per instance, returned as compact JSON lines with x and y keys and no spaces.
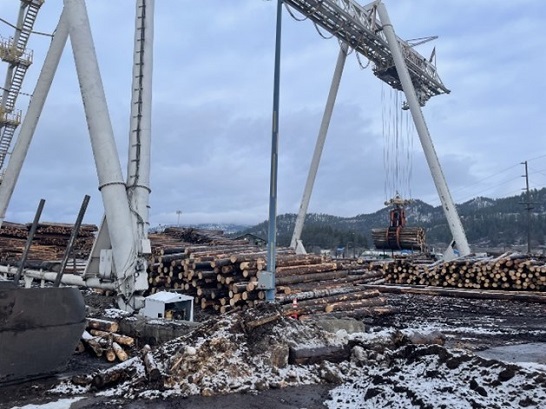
{"x":448,"y":204}
{"x":321,"y":138}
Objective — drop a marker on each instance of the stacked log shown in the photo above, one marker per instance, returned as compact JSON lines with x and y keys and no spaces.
{"x":407,"y":238}
{"x":510,"y":271}
{"x":223,"y":275}
{"x":49,"y":243}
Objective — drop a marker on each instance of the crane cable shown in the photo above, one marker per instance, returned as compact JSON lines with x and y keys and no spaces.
{"x":398,"y":134}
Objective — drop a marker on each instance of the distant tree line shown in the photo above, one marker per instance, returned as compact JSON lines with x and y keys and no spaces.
{"x":487,"y":222}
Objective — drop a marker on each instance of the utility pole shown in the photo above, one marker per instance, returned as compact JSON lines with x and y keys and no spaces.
{"x":178,"y":212}
{"x":528,"y":206}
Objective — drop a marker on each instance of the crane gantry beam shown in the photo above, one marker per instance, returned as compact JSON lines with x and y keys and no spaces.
{"x":360,"y":28}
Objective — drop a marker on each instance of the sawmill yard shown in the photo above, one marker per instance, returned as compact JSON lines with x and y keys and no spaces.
{"x":343,"y":334}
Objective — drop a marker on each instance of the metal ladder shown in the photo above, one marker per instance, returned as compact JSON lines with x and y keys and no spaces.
{"x":13,"y":51}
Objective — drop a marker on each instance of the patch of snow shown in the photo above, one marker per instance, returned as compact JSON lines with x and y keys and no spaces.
{"x":59,"y":404}
{"x":115,"y":314}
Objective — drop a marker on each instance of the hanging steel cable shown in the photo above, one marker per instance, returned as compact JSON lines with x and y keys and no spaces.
{"x":398,"y":134}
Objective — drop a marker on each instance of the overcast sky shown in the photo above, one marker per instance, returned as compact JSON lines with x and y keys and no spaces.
{"x":212,"y":101}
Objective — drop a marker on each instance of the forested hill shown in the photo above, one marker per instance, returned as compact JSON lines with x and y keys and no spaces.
{"x":487,"y":222}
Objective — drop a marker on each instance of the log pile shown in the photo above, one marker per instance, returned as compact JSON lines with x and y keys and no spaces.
{"x":222,"y":275}
{"x":510,"y":271}
{"x":407,"y":238}
{"x":141,"y":368}
{"x":49,"y":243}
{"x":102,"y":337}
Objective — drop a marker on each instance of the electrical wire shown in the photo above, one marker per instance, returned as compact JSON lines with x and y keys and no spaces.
{"x":320,"y":33}
{"x":362,"y":66}
{"x":31,"y":31}
{"x":537,"y":157}
{"x":19,"y":93}
{"x":293,"y":15}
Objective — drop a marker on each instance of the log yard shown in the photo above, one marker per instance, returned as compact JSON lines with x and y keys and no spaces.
{"x":117,"y":314}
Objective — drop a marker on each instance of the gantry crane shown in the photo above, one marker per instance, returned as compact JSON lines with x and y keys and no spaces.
{"x":369,"y":31}
{"x":13,"y":51}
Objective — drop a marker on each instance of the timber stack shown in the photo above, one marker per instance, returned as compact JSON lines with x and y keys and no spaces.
{"x":49,"y":243}
{"x":222,"y":275}
{"x":510,"y":271}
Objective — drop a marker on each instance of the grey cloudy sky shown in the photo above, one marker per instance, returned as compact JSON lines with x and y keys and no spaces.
{"x":213,"y":77}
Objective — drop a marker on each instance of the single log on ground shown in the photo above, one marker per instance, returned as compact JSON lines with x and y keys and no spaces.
{"x":120,"y":353}
{"x":354,"y":304}
{"x":314,"y":355}
{"x":307,"y":295}
{"x":262,"y":321}
{"x":103,"y":325}
{"x":120,"y":339}
{"x":115,"y":374}
{"x":298,"y":270}
{"x":305,"y":278}
{"x":110,"y":354}
{"x":360,"y":313}
{"x":149,"y":363}
{"x":298,"y":260}
{"x":93,"y":343}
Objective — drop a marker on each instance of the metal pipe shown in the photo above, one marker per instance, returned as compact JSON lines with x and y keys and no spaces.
{"x":29,"y":241}
{"x":72,"y":240}
{"x":68,"y":279}
{"x":272,"y":233}
{"x":321,"y":138}
{"x":32,"y":116}
{"x":448,"y":204}
{"x":111,"y":183}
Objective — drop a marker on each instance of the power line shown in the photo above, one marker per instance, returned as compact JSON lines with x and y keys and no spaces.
{"x":537,"y":157}
{"x":32,"y":31}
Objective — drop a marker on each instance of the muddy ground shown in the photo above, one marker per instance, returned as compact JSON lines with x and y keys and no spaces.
{"x":468,"y":324}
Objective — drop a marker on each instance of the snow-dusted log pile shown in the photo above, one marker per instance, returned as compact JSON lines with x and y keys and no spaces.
{"x":510,"y":271}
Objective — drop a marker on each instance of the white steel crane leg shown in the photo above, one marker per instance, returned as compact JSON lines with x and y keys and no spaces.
{"x":138,"y":172}
{"x":448,"y":205}
{"x":129,"y":268}
{"x":321,"y":138}
{"x":32,"y":116}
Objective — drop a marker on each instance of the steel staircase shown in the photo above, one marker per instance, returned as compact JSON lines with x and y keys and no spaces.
{"x":13,"y":51}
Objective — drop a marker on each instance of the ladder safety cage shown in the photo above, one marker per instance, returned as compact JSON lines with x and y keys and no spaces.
{"x":13,"y":52}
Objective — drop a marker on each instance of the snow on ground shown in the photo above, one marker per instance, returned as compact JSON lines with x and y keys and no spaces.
{"x":60,"y":404}
{"x":432,"y":377}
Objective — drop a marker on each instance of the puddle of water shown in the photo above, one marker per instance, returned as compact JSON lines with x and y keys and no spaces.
{"x":531,"y":352}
